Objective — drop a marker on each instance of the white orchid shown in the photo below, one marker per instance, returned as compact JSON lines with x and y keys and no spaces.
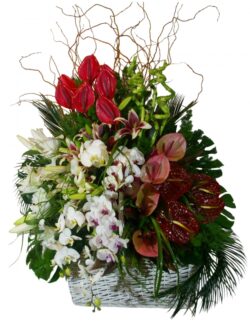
{"x":70,"y":218}
{"x":94,"y":153}
{"x":110,"y":183}
{"x":136,"y":156}
{"x":66,"y":237}
{"x":65,"y":256}
{"x":105,"y":255}
{"x":40,"y":142}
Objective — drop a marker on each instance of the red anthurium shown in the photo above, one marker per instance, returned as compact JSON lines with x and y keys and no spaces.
{"x":106,"y":111}
{"x":84,"y":98}
{"x":106,"y":67}
{"x":155,"y":170}
{"x":132,"y":125}
{"x":178,"y":223}
{"x":205,"y":197}
{"x":177,"y":184}
{"x":106,"y":83}
{"x":89,"y":69}
{"x":173,"y":145}
{"x":145,"y":244}
{"x":147,"y":199}
{"x":65,"y":90}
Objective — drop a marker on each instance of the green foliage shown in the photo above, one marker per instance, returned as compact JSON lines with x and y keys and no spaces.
{"x":200,"y":152}
{"x":211,"y":281}
{"x":40,"y":262}
{"x":58,"y":122}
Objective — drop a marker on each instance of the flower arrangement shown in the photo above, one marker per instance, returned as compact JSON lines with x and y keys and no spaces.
{"x":124,"y":179}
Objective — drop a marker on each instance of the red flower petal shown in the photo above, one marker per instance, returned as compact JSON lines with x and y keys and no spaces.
{"x":106,"y":84}
{"x":147,"y":199}
{"x":155,"y":170}
{"x":173,"y":145}
{"x":177,"y":184}
{"x":145,"y":244}
{"x":106,"y":110}
{"x":107,"y":68}
{"x":84,"y":98}
{"x":64,"y":91}
{"x":178,"y":223}
{"x":89,"y":69}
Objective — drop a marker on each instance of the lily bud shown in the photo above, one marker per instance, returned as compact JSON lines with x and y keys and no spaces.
{"x":89,"y":69}
{"x":106,"y":83}
{"x":84,"y":98}
{"x":106,"y":111}
{"x":65,"y":90}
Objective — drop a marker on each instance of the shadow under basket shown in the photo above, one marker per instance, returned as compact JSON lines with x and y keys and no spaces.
{"x":127,"y":292}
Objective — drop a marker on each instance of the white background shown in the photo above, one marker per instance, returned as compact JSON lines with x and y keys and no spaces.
{"x":221,"y":52}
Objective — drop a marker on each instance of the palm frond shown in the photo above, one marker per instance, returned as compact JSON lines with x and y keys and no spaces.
{"x":212,"y":281}
{"x":51,"y":114}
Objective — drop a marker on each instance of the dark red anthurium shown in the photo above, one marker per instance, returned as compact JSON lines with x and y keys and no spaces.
{"x":106,"y":83}
{"x":178,"y":222}
{"x":155,"y":170}
{"x":106,"y":111}
{"x":145,"y":244}
{"x":89,"y":69}
{"x":84,"y":98}
{"x":65,"y":90}
{"x":205,"y":197}
{"x":132,"y":125}
{"x":177,"y":184}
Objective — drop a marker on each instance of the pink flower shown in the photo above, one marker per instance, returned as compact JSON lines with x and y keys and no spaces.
{"x":132,"y":125}
{"x":155,"y":170}
{"x":173,"y":145}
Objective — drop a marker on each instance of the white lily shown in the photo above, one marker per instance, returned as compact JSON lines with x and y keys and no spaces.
{"x":40,"y":142}
{"x":31,"y":182}
{"x":21,"y":229}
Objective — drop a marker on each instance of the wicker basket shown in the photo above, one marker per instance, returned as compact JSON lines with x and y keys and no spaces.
{"x":128,"y":293}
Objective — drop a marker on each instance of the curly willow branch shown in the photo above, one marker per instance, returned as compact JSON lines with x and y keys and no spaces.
{"x":148,"y":50}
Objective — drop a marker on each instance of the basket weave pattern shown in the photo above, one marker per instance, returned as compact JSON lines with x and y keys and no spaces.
{"x":128,"y":292}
